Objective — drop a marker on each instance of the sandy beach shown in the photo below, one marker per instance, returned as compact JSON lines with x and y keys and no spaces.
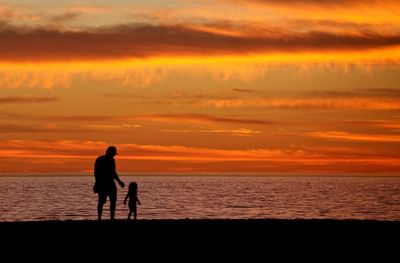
{"x":222,"y":238}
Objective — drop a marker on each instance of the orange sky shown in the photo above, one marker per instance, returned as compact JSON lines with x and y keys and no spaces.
{"x":264,"y":86}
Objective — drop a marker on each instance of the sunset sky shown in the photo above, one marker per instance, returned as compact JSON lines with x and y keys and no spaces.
{"x":265,"y":86}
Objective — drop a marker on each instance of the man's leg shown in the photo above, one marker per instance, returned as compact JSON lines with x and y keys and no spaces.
{"x":113,"y":202}
{"x":101,"y":202}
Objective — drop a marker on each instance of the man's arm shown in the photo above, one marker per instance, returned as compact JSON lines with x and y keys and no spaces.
{"x":116,"y":176}
{"x":118,"y":180}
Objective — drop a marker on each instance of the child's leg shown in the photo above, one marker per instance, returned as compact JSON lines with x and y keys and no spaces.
{"x":129,"y":215}
{"x":135,"y":213}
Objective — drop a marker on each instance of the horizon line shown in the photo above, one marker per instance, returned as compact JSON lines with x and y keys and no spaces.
{"x":193,"y":174}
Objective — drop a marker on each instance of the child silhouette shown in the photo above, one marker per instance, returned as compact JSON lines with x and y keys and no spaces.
{"x":133,"y":199}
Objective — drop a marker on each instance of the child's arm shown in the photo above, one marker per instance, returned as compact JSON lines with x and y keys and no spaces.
{"x":126,"y":198}
{"x":137,"y":199}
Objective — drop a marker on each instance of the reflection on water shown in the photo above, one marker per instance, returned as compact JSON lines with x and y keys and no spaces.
{"x":177,"y":197}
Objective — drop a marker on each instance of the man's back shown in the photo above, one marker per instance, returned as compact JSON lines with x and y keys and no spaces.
{"x":104,"y":172}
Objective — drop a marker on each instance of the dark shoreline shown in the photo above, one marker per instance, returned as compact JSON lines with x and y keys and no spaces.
{"x":211,"y":236}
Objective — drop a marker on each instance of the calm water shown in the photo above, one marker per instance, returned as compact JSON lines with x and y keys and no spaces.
{"x":178,"y":197}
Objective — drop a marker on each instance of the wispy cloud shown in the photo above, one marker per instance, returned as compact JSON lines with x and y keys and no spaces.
{"x":144,"y":41}
{"x":40,"y":128}
{"x":203,"y":118}
{"x":87,"y":9}
{"x":12,"y":128}
{"x":50,"y":149}
{"x":303,"y":103}
{"x":27,"y":99}
{"x":66,"y":127}
{"x":383,"y":92}
{"x":235,"y":132}
{"x":162,"y":118}
{"x":318,"y":2}
{"x":358,"y":11}
{"x":125,"y":120}
{"x":244,"y":90}
{"x":68,"y":156}
{"x":9,"y":14}
{"x":346,"y":136}
{"x":48,"y":15}
{"x":79,"y":149}
{"x":64,"y":17}
{"x":389,"y":124}
{"x":362,"y":99}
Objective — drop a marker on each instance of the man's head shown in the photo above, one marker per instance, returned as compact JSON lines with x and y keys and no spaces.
{"x":111,"y":151}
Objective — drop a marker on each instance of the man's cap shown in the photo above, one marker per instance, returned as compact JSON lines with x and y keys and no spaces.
{"x":112,"y":149}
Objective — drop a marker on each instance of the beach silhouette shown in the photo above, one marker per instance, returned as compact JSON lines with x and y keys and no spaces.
{"x":133,"y":200}
{"x":105,"y":176}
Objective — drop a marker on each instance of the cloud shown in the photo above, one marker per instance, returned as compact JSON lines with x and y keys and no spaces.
{"x":361,"y":99}
{"x":235,"y":132}
{"x":388,"y":124}
{"x":202,"y":118}
{"x":346,"y":136}
{"x":79,"y":149}
{"x":39,"y":128}
{"x":381,"y":14}
{"x":63,"y":128}
{"x":26,"y":99}
{"x":125,"y":119}
{"x":323,"y":3}
{"x":83,"y":118}
{"x":145,"y":41}
{"x":11,"y":128}
{"x":189,"y":117}
{"x":244,"y":90}
{"x":50,"y":149}
{"x":64,"y":17}
{"x":79,"y":155}
{"x":384,"y":92}
{"x":14,"y":13}
{"x":304,"y":103}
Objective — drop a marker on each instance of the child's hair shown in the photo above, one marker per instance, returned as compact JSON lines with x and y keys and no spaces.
{"x":133,"y":186}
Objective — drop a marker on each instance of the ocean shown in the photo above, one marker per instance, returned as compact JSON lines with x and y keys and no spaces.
{"x":34,"y":198}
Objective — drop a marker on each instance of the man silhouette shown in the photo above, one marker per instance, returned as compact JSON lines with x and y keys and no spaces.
{"x":105,"y":173}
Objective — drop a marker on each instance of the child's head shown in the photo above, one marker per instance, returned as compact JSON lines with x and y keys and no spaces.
{"x":133,"y":186}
